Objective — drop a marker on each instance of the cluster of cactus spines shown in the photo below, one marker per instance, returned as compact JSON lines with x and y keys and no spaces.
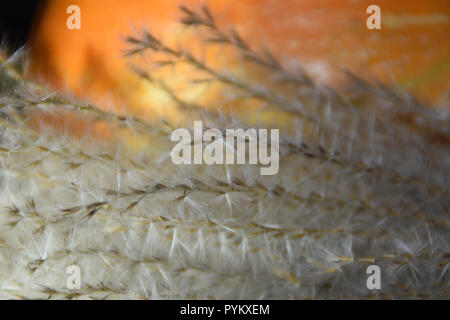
{"x":357,"y":186}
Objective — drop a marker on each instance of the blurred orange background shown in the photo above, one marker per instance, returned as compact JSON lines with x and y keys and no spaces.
{"x":324,"y":36}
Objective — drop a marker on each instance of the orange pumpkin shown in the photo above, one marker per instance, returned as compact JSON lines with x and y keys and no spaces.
{"x":411,"y":48}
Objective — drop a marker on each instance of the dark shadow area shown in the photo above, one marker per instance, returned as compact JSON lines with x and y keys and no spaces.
{"x":16,"y":20}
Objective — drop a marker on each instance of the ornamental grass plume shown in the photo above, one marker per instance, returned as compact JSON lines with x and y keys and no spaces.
{"x":363,"y":180}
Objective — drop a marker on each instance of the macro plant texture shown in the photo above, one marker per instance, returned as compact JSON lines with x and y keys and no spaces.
{"x":363,"y":179}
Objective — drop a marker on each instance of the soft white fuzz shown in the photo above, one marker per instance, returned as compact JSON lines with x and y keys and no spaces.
{"x":370,"y":192}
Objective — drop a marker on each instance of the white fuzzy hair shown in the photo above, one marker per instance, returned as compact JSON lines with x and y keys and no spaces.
{"x":138,"y":226}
